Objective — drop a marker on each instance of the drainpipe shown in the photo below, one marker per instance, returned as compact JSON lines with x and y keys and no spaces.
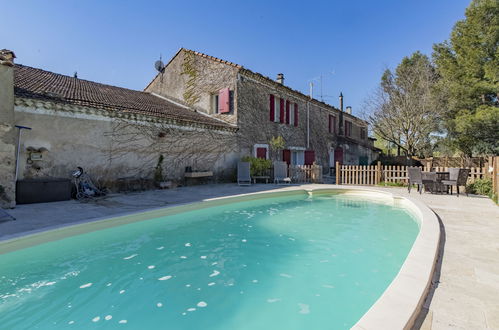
{"x":308,"y":115}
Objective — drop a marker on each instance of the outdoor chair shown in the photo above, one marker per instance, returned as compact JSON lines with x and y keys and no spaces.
{"x":415,"y":177}
{"x":457,"y":177}
{"x":281,"y":173}
{"x":429,"y":181}
{"x":243,"y":174}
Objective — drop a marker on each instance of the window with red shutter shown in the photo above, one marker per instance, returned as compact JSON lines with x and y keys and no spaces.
{"x":271,"y":108}
{"x":261,"y":153}
{"x":281,"y":111}
{"x":287,"y":112}
{"x":309,"y":157}
{"x":224,"y":100}
{"x":348,"y":128}
{"x":286,"y":156}
{"x":296,"y":114}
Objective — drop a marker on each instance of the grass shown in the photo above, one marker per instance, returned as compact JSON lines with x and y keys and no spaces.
{"x":392,"y":184}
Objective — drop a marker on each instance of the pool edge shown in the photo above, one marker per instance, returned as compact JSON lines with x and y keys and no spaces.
{"x":398,"y":306}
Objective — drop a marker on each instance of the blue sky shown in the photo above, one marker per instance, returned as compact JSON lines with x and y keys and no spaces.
{"x":117,"y":42}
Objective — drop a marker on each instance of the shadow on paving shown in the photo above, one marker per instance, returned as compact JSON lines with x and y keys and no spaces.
{"x":31,"y":218}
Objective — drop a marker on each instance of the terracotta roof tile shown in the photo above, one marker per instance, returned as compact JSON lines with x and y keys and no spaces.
{"x":40,"y":84}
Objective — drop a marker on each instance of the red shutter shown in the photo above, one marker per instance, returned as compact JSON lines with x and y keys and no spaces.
{"x":338,"y":155}
{"x":296,"y":114}
{"x":288,"y":105}
{"x":309,"y":157}
{"x":272,"y":110}
{"x":281,"y":111}
{"x":261,"y":153}
{"x":224,"y":100}
{"x":286,"y":156}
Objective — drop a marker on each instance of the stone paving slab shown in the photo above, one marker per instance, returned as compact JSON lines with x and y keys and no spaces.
{"x":466,"y":293}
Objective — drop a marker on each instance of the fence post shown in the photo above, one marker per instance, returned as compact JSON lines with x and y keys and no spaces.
{"x":377,"y":173}
{"x":338,"y":173}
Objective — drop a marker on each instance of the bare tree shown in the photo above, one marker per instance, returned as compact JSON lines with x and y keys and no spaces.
{"x":198,"y":147}
{"x":405,"y":109}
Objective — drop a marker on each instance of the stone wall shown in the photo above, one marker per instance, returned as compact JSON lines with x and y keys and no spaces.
{"x":193,"y":80}
{"x":255,"y":126}
{"x":7,"y":137}
{"x":110,"y":148}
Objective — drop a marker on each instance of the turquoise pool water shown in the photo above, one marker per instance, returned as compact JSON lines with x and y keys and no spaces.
{"x":291,"y":262}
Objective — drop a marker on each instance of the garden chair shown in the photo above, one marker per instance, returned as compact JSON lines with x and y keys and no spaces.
{"x":457,"y":177}
{"x":281,"y":173}
{"x":429,"y":181}
{"x":243,"y":174}
{"x":415,"y":177}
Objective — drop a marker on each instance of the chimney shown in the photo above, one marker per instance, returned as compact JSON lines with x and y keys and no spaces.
{"x":280,"y":78}
{"x":341,"y":101}
{"x":349,"y":110}
{"x":7,"y":129}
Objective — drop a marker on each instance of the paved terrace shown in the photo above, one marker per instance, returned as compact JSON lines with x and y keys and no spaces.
{"x":466,"y":290}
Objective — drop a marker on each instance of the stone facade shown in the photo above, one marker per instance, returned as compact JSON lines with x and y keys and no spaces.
{"x":108,"y":147}
{"x":125,"y":134}
{"x":207,"y":75}
{"x":7,"y":131}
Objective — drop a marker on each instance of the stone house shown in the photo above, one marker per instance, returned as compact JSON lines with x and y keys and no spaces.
{"x":263,"y":108}
{"x":199,"y":112}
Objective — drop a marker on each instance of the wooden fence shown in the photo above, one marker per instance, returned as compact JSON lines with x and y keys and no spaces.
{"x":305,"y":173}
{"x":374,"y":174}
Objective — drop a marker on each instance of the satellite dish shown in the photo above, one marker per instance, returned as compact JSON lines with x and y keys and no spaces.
{"x":159,"y":65}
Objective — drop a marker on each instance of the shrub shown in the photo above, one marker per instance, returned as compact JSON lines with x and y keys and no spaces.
{"x":392,"y":184}
{"x":480,"y":187}
{"x":158,"y":170}
{"x":258,"y":166}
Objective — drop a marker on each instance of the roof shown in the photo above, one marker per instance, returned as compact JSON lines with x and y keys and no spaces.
{"x":261,"y":77}
{"x":40,"y":84}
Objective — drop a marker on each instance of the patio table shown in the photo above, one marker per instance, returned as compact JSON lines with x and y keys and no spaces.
{"x":434,"y":185}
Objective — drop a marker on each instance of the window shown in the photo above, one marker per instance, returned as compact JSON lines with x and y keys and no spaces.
{"x":224,"y":95}
{"x":363,"y":133}
{"x":348,"y":128}
{"x":296,"y":115}
{"x":297,"y":157}
{"x":261,"y":151}
{"x":277,"y":109}
{"x":332,"y":124}
{"x":214,"y":103}
{"x":288,"y":105}
{"x":291,"y":113}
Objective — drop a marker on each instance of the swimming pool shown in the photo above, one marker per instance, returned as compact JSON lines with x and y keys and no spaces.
{"x":289,"y":261}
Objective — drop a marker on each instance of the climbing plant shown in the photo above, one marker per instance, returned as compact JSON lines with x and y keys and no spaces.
{"x":189,"y":70}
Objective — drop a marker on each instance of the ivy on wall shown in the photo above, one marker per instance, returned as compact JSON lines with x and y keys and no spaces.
{"x":189,"y":70}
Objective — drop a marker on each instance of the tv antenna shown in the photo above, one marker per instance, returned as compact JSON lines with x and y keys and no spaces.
{"x":159,"y":65}
{"x":320,"y":79}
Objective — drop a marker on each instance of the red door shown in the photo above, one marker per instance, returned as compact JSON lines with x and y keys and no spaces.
{"x":309,"y":157}
{"x":261,"y":153}
{"x":286,"y":156}
{"x":338,"y":155}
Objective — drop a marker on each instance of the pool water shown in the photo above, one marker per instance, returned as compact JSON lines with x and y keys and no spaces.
{"x":291,"y":262}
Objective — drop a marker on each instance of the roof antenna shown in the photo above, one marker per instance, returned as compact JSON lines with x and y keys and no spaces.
{"x":75,"y":75}
{"x":159,"y":66}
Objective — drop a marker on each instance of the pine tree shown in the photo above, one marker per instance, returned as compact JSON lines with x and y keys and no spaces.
{"x":468,"y":64}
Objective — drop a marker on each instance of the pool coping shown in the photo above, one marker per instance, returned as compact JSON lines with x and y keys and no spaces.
{"x":396,"y":308}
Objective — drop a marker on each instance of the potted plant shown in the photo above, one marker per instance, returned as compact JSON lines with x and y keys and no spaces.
{"x":159,"y":179}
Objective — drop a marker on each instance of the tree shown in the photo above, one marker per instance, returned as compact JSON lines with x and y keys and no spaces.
{"x":276,"y":144}
{"x":468,"y":64}
{"x":404,"y":110}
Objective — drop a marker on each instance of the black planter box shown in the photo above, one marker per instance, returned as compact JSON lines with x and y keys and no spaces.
{"x":42,"y":190}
